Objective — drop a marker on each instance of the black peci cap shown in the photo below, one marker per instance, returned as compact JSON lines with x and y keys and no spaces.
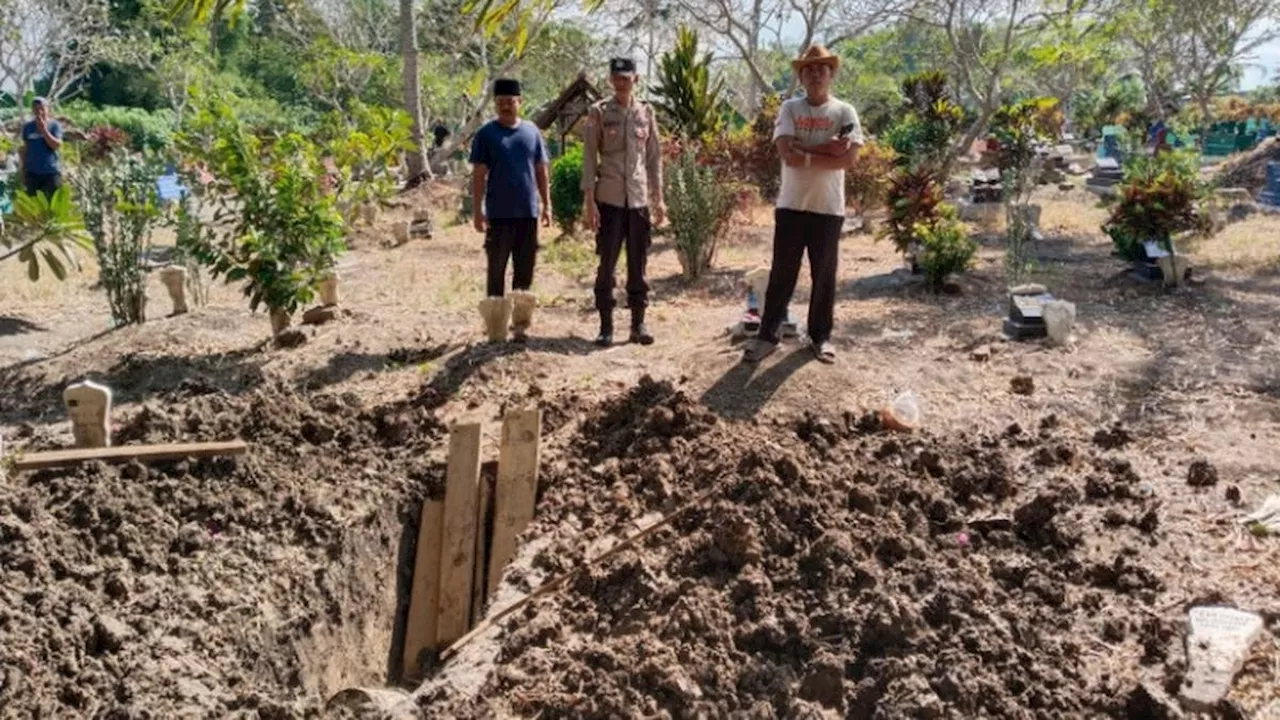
{"x":622,"y":66}
{"x":506,"y":86}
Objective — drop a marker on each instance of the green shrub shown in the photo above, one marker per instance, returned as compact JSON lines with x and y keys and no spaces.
{"x":946,"y":247}
{"x":147,"y":130}
{"x":866,"y":183}
{"x":566,"y":189}
{"x":1160,"y":197}
{"x":121,"y":210}
{"x":913,"y":197}
{"x":281,"y":230}
{"x":699,"y":208}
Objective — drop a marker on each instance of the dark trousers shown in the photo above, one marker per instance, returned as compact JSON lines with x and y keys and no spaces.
{"x":794,"y":233}
{"x":47,"y":184}
{"x":511,"y":239}
{"x":619,"y":227}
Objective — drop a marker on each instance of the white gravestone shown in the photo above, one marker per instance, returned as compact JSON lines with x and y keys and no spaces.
{"x":175,"y":281}
{"x":1217,"y":645}
{"x":89,"y":405}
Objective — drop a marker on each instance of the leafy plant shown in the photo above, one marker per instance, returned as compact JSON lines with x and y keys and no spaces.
{"x":747,"y":153}
{"x":566,"y":189}
{"x":913,"y":197}
{"x":867,"y":181}
{"x":687,"y":97}
{"x":365,"y":149}
{"x":699,"y":209}
{"x":930,"y":120}
{"x":121,"y":210}
{"x":277,"y":227}
{"x":946,"y":247}
{"x":146,"y":129}
{"x":46,"y":229}
{"x":1019,"y":129}
{"x":103,"y":141}
{"x":1160,"y":197}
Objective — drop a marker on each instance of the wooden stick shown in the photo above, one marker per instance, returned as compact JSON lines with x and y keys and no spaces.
{"x":125,"y":453}
{"x":553,"y":585}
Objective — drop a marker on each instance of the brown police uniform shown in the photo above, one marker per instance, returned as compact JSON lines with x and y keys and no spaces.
{"x":622,"y":164}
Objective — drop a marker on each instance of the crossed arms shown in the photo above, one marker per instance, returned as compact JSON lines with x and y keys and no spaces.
{"x":834,"y":154}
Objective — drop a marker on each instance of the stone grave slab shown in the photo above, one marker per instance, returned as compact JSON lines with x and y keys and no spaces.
{"x":1218,"y":641}
{"x":1026,"y":313}
{"x":89,"y":405}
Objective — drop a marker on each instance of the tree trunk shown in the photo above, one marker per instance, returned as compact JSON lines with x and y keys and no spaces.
{"x":416,"y":158}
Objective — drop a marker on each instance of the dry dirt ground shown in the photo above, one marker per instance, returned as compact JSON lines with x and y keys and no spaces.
{"x":1029,"y":554}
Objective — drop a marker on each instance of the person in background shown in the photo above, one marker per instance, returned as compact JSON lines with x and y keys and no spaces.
{"x":41,"y":140}
{"x":621,"y":183}
{"x":817,"y":137}
{"x":510,"y":190}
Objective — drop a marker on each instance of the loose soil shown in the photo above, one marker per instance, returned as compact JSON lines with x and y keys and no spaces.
{"x":245,"y":587}
{"x":1032,"y":553}
{"x":840,"y":571}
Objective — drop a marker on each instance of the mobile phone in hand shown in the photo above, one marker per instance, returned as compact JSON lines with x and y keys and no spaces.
{"x":845,"y":130}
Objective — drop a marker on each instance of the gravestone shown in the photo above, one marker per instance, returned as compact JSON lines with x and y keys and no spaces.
{"x":1026,"y":312}
{"x":985,"y":186}
{"x":174,"y":279}
{"x":1106,"y":174}
{"x":1218,"y":641}
{"x":1271,"y":193}
{"x":89,"y":405}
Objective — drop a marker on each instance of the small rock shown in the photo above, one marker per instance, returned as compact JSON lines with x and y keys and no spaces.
{"x":1233,"y":494}
{"x":319,"y":315}
{"x":1202,"y":474}
{"x":982,"y":354}
{"x":1023,"y":385}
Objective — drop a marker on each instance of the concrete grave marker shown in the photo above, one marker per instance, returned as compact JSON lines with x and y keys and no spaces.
{"x":175,"y":281}
{"x":89,"y":405}
{"x":1218,"y":643}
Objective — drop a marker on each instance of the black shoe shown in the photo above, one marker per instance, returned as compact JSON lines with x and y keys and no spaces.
{"x":640,"y":334}
{"x":605,"y":338}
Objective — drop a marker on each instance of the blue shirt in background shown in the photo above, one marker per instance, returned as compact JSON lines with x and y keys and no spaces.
{"x":41,"y":159}
{"x":510,"y":153}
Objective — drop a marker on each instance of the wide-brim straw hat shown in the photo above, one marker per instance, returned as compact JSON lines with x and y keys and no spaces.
{"x":816,"y":55}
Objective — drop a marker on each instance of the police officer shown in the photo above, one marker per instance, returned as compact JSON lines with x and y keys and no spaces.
{"x":622,"y":184}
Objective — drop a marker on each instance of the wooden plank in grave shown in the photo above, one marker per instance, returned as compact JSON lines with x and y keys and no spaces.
{"x":479,"y":592}
{"x":461,"y":501}
{"x":424,"y":593}
{"x":517,"y":486}
{"x":125,"y":453}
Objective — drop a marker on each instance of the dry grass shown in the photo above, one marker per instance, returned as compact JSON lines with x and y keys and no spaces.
{"x":16,"y":289}
{"x":1071,"y":217}
{"x":1253,"y":244}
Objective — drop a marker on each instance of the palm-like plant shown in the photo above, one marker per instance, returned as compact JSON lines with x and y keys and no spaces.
{"x":686,"y":94}
{"x":45,"y":228}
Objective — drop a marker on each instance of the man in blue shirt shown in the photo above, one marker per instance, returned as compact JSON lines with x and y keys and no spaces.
{"x":510,"y":190}
{"x":41,"y":139}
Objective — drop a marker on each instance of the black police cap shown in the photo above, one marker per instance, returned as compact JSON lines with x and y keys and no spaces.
{"x":622,"y":66}
{"x":506,"y":86}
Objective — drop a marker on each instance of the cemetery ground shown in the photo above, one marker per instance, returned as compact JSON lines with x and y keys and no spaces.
{"x":1032,"y":551}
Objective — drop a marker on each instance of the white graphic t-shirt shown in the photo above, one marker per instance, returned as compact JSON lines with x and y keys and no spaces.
{"x":814,"y":189}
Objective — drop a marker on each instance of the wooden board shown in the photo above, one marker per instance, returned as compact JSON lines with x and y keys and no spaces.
{"x":424,"y":593}
{"x":457,"y":563}
{"x":125,"y":453}
{"x":517,"y":487}
{"x":488,"y":473}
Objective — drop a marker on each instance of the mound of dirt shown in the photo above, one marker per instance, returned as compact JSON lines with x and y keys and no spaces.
{"x":837,"y":572}
{"x":1250,"y":170}
{"x":246,"y":587}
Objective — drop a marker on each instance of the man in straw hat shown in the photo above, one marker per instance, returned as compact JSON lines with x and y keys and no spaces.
{"x":509,"y":192}
{"x":817,"y":137}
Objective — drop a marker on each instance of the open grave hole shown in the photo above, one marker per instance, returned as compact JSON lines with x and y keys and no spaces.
{"x":255,"y":586}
